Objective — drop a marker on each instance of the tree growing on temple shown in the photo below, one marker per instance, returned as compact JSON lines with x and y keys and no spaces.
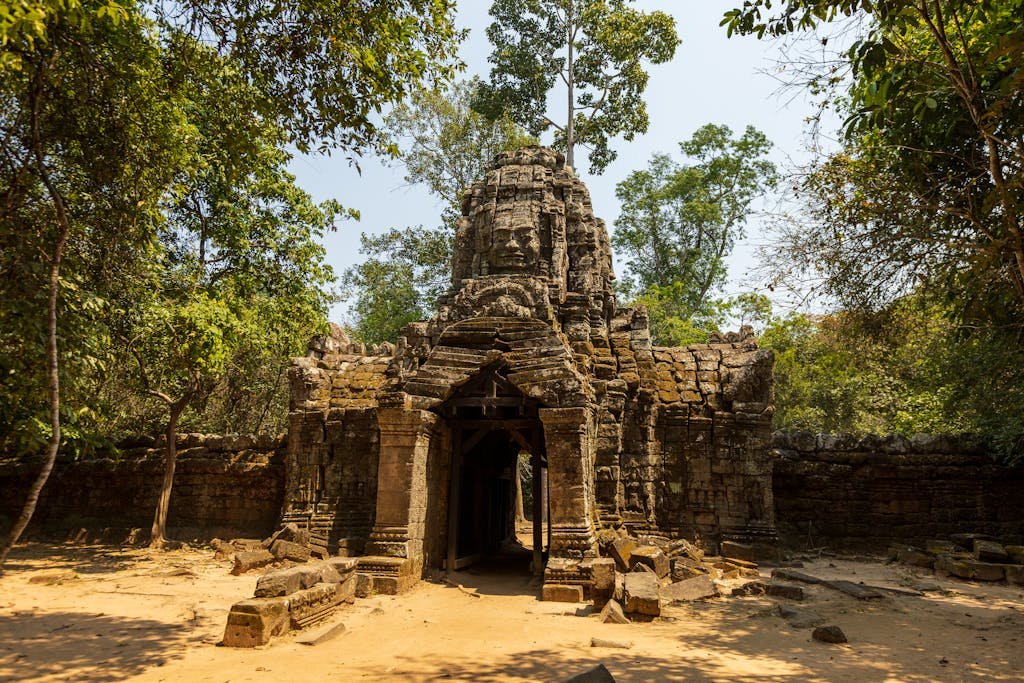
{"x":596,"y":49}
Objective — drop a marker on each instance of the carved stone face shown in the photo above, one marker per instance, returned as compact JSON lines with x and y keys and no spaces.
{"x":515,"y":244}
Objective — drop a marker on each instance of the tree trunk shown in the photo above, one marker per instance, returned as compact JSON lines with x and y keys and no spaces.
{"x":158,"y":534}
{"x":52,"y":356}
{"x":53,"y":376}
{"x":570,"y":126}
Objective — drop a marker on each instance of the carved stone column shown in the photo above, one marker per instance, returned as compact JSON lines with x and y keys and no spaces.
{"x":568,"y":441}
{"x":394,"y":558}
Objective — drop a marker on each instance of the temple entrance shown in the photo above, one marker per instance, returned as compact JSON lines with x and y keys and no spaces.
{"x":497,"y":440}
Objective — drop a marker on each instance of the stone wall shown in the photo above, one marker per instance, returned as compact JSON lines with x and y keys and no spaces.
{"x":226,"y":486}
{"x":862,"y":494}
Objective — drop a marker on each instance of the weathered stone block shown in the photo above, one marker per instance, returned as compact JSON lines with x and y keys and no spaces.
{"x":254,"y":622}
{"x":1016,"y":553}
{"x":642,"y":594}
{"x":282,"y":582}
{"x":739,"y":551}
{"x":246,"y":561}
{"x":980,"y":571}
{"x":697,"y":588}
{"x":622,"y":551}
{"x":312,"y":605}
{"x":288,"y":550}
{"x":684,"y":568}
{"x":612,"y":613}
{"x":653,"y":558}
{"x":555,"y":592}
{"x":602,"y":572}
{"x":1014,"y":574}
{"x":989,"y":551}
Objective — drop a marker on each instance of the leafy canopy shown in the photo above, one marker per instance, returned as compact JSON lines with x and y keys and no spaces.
{"x":597,"y":49}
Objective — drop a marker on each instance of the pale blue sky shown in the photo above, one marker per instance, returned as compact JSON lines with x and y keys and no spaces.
{"x":712,"y":79}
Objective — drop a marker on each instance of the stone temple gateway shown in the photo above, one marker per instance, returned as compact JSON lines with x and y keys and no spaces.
{"x":406,"y":456}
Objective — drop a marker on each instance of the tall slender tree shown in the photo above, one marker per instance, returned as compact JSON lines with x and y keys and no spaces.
{"x":597,"y":49}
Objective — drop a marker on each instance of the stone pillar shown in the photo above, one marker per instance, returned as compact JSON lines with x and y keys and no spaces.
{"x":394,"y":558}
{"x":568,"y":442}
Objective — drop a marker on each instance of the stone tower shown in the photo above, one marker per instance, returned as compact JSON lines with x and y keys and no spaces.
{"x":407,"y":455}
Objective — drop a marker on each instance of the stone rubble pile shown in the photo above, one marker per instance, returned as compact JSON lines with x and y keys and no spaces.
{"x":289,"y":599}
{"x":636,"y":576}
{"x":967,"y":556}
{"x":287,"y":544}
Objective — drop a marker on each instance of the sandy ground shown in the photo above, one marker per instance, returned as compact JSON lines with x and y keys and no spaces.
{"x":109,"y":614}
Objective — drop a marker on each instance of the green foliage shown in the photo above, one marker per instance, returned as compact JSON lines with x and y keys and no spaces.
{"x":678,"y":226}
{"x":597,"y":48}
{"x":445,"y":145}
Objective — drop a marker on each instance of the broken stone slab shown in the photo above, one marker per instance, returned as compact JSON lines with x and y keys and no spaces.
{"x":783,"y":590}
{"x":288,"y":532}
{"x":940,"y":547}
{"x":829,"y":634}
{"x":247,"y":561}
{"x":254,"y":622}
{"x":343,"y":565}
{"x":654,"y":558}
{"x":966,"y":541}
{"x":697,"y":588}
{"x":750,"y":588}
{"x":738,"y":551}
{"x":1014,"y":574}
{"x":792,"y":575}
{"x":641,"y":594}
{"x":979,"y":571}
{"x":288,"y":550}
{"x":685,"y":568}
{"x":321,"y":635}
{"x":557,"y":592}
{"x":612,"y":613}
{"x":989,"y":551}
{"x":683,"y":548}
{"x":856,"y":590}
{"x":599,"y":674}
{"x":283,"y":582}
{"x":798,"y":617}
{"x":915,"y":557}
{"x":313,"y":605}
{"x":622,"y":550}
{"x":606,"y":642}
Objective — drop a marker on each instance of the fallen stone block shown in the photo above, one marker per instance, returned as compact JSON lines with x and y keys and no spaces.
{"x":683,"y":548}
{"x":979,"y":571}
{"x":856,"y":590}
{"x":599,"y":674}
{"x":247,"y":561}
{"x":254,"y":622}
{"x":557,"y":592}
{"x":1014,"y":574}
{"x":989,"y":551}
{"x":751,"y":588}
{"x":1016,"y":553}
{"x":685,"y":568}
{"x":620,"y":583}
{"x":321,"y":635}
{"x":602,"y":572}
{"x":282,"y":582}
{"x":940,"y":547}
{"x":799,"y":618}
{"x":343,"y":565}
{"x":782,"y":590}
{"x":829,"y":634}
{"x":612,"y":613}
{"x":622,"y":550}
{"x":312,"y":605}
{"x":915,"y":557}
{"x":641,"y":594}
{"x":793,"y":575}
{"x":739,"y":551}
{"x":966,"y":541}
{"x":606,"y":642}
{"x":287,"y":550}
{"x":697,"y":588}
{"x":654,"y":558}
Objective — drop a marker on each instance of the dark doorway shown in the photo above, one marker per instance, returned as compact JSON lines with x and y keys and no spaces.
{"x":493,"y":425}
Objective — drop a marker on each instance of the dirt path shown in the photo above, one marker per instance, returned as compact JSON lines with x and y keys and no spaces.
{"x":106,"y":614}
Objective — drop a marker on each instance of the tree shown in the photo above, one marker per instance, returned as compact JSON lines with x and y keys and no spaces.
{"x":446,"y":146}
{"x":74,"y":203}
{"x":679,"y":223}
{"x":596,"y":48}
{"x":239,"y":269}
{"x":323,"y":69}
{"x":927,"y":186}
